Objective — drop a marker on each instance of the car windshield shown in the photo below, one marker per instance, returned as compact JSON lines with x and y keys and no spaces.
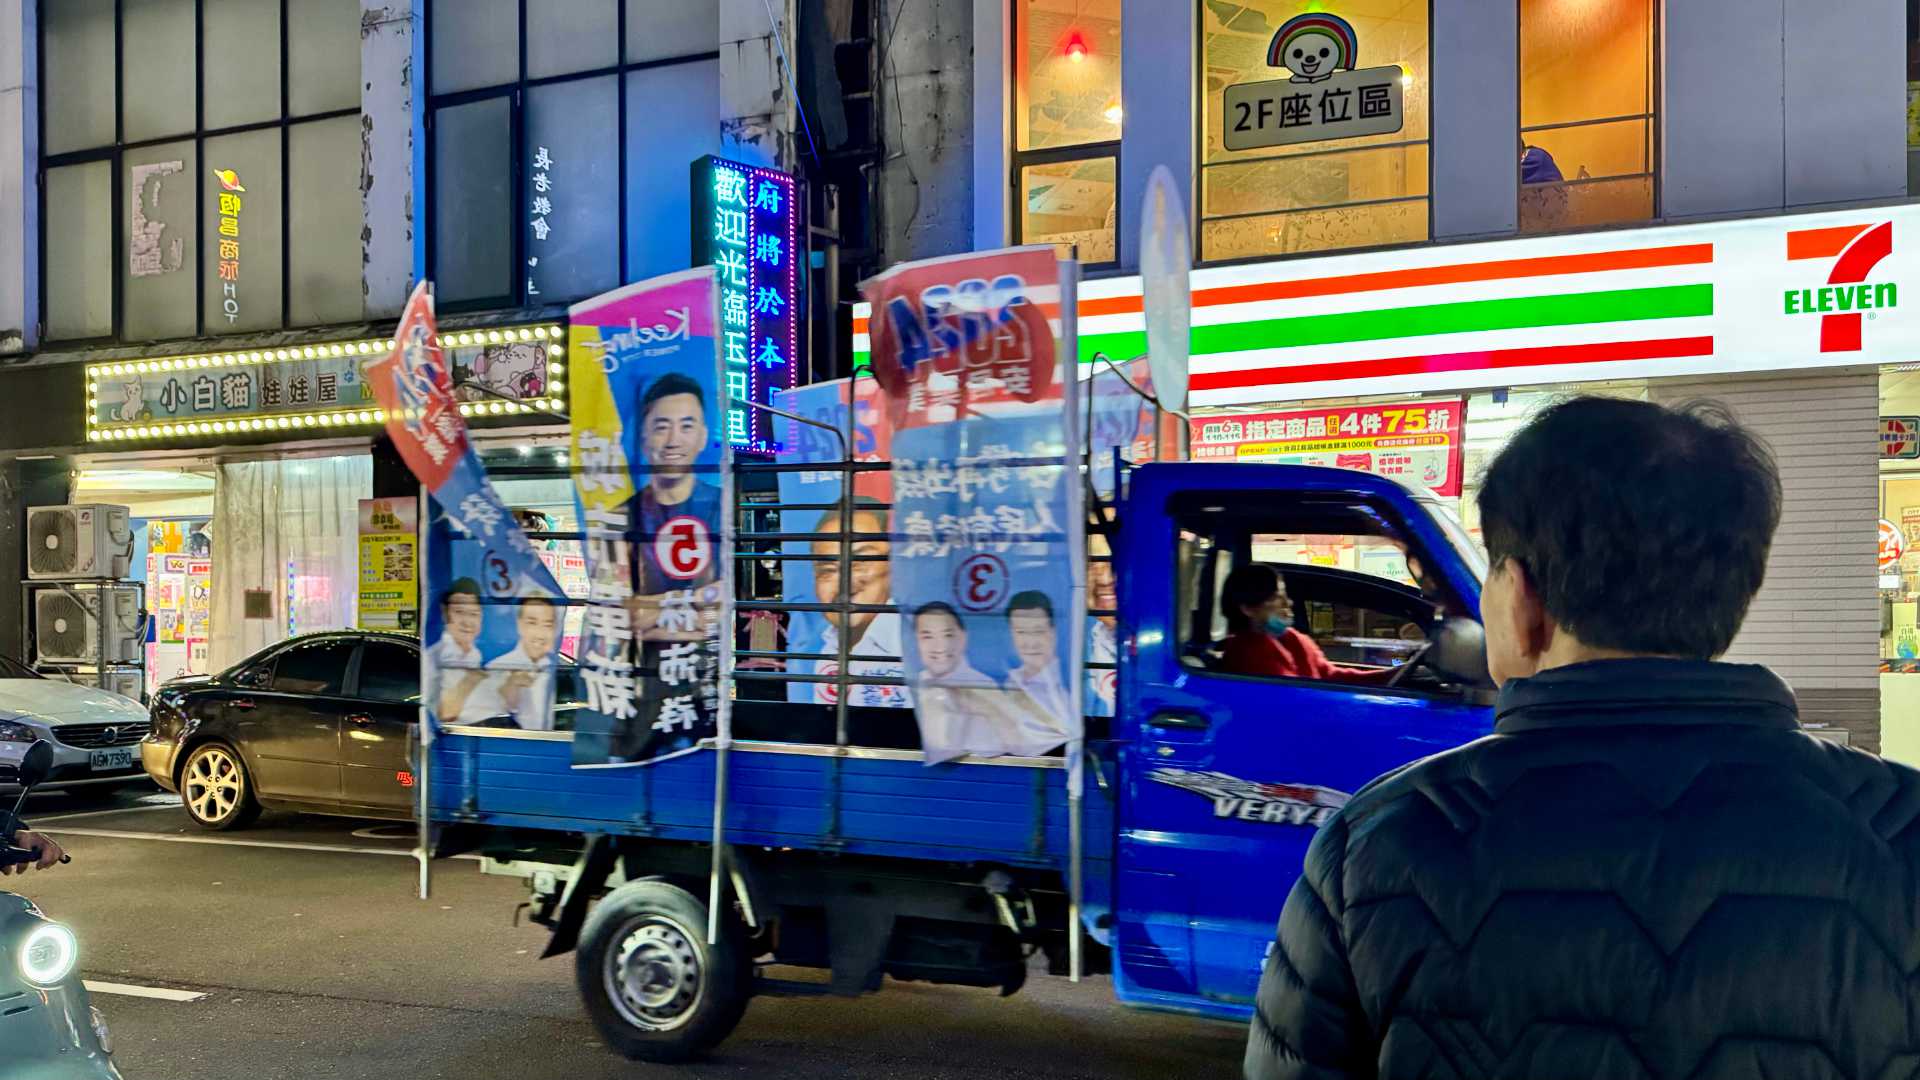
{"x":14,"y":669}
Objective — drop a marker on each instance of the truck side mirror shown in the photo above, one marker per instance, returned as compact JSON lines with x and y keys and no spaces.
{"x":1460,"y":651}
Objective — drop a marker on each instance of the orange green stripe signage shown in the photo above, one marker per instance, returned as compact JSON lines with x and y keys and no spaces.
{"x":1756,"y":294}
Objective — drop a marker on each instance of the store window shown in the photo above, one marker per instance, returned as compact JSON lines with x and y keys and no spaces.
{"x":526,"y":185}
{"x":1913,"y":97}
{"x":1067,"y":120}
{"x":1586,"y":113}
{"x":1365,"y":188}
{"x":201,"y":167}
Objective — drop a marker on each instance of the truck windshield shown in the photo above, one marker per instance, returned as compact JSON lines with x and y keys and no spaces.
{"x":1469,"y":549}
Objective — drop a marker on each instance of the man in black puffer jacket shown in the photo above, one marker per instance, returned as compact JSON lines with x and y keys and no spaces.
{"x":1647,"y":871}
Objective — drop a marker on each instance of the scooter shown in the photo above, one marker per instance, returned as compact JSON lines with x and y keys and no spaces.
{"x":49,"y":1029}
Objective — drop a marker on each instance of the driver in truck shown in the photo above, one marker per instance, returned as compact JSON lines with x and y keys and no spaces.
{"x":1261,"y":639}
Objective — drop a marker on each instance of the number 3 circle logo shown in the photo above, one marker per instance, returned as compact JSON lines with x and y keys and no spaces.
{"x":499,"y":574}
{"x":683,"y":548}
{"x":980,"y":582}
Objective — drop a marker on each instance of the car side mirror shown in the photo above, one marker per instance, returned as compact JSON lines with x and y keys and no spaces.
{"x":1459,"y":651}
{"x":36,"y":764}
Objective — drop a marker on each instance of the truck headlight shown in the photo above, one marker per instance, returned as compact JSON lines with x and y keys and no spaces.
{"x":47,"y":954}
{"x":10,"y":731}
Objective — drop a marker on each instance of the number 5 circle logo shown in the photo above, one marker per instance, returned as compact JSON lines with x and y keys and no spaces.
{"x":683,"y":548}
{"x":980,"y":582}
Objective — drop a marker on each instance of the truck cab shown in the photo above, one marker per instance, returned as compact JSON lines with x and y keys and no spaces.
{"x":1225,"y":776}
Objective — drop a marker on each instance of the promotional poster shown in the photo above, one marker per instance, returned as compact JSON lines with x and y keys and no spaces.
{"x":1415,"y":442}
{"x":492,"y":623}
{"x":987,"y":502}
{"x":389,"y":564}
{"x":875,"y":646}
{"x":652,"y":476}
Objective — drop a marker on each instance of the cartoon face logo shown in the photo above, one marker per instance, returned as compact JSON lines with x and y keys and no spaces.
{"x":1314,"y":46}
{"x":133,"y":405}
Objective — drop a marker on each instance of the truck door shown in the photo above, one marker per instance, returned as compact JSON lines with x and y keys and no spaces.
{"x":1226,"y":775}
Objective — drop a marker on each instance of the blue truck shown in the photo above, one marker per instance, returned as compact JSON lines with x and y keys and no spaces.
{"x":837,"y":848}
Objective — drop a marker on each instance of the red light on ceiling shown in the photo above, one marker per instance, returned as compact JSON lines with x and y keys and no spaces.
{"x":1076,"y":47}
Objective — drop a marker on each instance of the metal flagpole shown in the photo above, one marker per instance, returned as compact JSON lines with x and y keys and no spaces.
{"x":1077,"y":626}
{"x":425,"y":724}
{"x":723,"y":719}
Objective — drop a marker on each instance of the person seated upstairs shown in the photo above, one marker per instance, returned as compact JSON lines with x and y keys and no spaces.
{"x":1261,"y":639}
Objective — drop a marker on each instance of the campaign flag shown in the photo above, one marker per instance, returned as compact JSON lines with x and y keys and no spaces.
{"x":491,"y":630}
{"x":987,"y":499}
{"x":874,"y":647}
{"x":653,"y":479}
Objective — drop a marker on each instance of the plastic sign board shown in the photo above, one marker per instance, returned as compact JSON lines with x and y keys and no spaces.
{"x":746,"y":225}
{"x":1324,"y":98}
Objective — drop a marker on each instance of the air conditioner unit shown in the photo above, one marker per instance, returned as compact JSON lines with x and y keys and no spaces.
{"x":68,"y":542}
{"x":67,"y":627}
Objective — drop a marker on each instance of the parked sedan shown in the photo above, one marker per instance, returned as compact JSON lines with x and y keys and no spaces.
{"x":95,"y":733}
{"x":322,"y":723}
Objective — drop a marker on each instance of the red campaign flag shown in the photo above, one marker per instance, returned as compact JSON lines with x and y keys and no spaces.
{"x":415,"y":390}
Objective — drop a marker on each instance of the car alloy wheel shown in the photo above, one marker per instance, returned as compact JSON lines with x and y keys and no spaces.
{"x":213,"y":787}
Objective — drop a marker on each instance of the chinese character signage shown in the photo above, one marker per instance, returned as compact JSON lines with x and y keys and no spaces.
{"x":389,"y":576}
{"x":651,"y":476}
{"x":227,"y":224}
{"x":874,"y":646}
{"x":325,"y":382}
{"x":1325,"y":97}
{"x":493,"y":622}
{"x":1900,"y":437}
{"x":747,"y":226}
{"x":985,"y":552}
{"x":1416,"y":442}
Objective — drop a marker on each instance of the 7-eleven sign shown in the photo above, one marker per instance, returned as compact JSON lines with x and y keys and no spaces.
{"x":1840,"y":303}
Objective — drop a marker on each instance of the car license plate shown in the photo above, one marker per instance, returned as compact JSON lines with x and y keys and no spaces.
{"x":119,"y":757}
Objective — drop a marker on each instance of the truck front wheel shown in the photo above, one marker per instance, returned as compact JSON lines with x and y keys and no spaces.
{"x":653,"y":986}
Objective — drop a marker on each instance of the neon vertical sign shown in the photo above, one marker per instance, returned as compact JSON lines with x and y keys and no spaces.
{"x":747,"y":225}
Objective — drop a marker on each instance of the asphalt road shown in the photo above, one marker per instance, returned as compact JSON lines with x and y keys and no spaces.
{"x":320,"y":962}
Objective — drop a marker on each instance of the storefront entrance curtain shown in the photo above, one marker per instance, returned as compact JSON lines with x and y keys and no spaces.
{"x":284,"y":550}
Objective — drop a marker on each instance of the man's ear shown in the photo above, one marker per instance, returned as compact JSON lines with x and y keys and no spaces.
{"x":1530,"y":625}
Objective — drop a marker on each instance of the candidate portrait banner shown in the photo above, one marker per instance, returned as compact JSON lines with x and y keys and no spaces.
{"x":491,"y":630}
{"x":874,"y":647}
{"x":652,"y":476}
{"x":986,"y":532}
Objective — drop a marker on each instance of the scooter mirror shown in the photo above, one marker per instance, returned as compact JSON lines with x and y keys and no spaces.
{"x":37,"y":763}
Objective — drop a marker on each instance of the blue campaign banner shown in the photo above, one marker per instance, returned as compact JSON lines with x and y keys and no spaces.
{"x":652,"y":478}
{"x":983,"y":523}
{"x":875,"y":645}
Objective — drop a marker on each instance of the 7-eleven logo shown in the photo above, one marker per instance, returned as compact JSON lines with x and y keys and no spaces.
{"x":1855,"y":251}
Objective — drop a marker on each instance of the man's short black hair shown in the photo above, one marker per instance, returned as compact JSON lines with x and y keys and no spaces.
{"x":525,"y":600}
{"x":465,"y":586}
{"x":1644,"y":528}
{"x":936,"y":607}
{"x":1248,"y":585}
{"x":1031,"y":600}
{"x":669,"y":385}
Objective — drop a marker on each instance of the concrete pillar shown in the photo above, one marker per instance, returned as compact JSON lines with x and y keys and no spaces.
{"x":393,"y":89}
{"x":759,"y":121}
{"x":1158,"y":100}
{"x":1475,"y":118}
{"x":927,"y":116}
{"x":19,"y":178}
{"x":992,"y":125}
{"x":1846,"y":97}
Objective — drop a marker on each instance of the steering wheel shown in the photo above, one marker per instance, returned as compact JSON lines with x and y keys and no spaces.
{"x":1414,"y":661}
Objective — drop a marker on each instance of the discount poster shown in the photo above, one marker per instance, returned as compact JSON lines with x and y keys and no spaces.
{"x":389,"y":564}
{"x":1416,"y":442}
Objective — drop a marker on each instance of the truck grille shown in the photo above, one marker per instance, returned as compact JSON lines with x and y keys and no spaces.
{"x":97,"y":736}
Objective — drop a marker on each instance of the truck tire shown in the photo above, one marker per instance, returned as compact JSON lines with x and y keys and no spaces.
{"x":651,"y":983}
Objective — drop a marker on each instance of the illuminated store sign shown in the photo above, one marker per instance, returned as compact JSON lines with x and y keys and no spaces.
{"x":747,"y":224}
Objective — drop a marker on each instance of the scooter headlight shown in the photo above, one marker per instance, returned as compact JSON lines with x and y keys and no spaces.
{"x":47,"y":954}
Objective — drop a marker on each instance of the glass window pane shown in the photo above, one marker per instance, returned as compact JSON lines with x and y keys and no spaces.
{"x":1067,"y":72}
{"x":389,"y":672}
{"x":673,"y":114}
{"x":473,"y":217}
{"x":156,"y":68}
{"x":318,"y":667}
{"x":160,"y":257}
{"x":662,"y":29}
{"x":1584,"y":61}
{"x":79,"y":232}
{"x":324,"y":219}
{"x":1585,"y":203}
{"x":76,"y":52}
{"x":241,"y":218}
{"x":1294,"y":183}
{"x":570,"y":251}
{"x":565,"y":36}
{"x":241,"y":39}
{"x":476,"y":43}
{"x":323,"y":56}
{"x":1315,"y":230}
{"x":1070,"y":202}
{"x":1596,"y":150}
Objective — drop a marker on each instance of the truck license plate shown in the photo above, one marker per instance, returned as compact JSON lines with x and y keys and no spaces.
{"x":119,"y":757}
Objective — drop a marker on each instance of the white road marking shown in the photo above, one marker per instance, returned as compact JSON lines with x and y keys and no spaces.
{"x":290,"y":845}
{"x":100,"y":813}
{"x":159,"y":993}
